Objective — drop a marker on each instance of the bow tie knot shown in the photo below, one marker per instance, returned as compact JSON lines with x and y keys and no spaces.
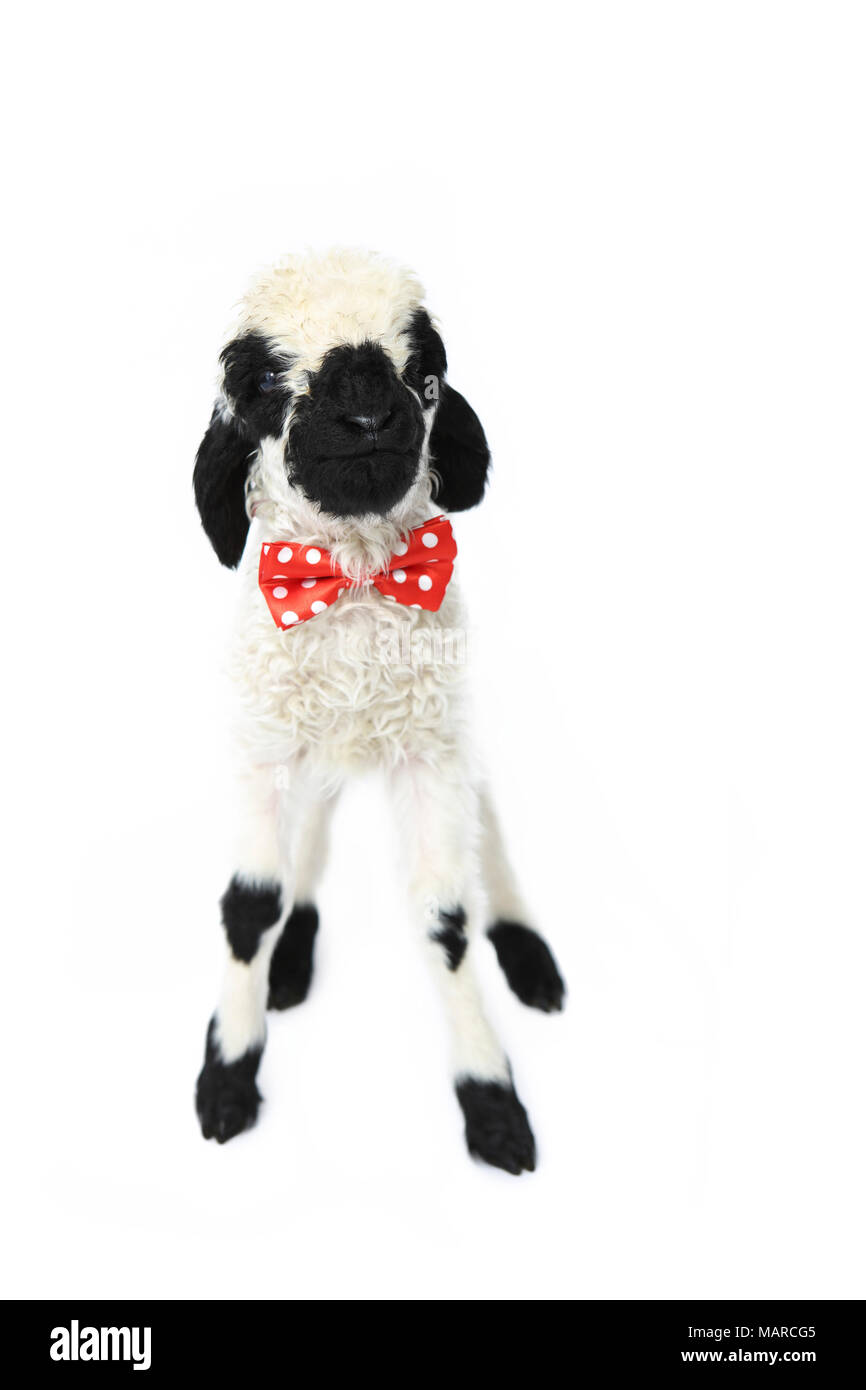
{"x":301,"y":581}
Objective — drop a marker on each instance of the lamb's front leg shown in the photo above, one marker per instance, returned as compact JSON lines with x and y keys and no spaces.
{"x":254,"y":908}
{"x":438,"y":815}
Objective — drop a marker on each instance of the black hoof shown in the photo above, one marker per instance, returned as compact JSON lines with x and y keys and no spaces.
{"x":292,"y":962}
{"x":226,"y":1096}
{"x":528,"y":965}
{"x":497,"y":1126}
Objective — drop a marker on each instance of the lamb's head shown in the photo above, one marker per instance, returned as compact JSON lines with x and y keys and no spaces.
{"x":333,"y":407}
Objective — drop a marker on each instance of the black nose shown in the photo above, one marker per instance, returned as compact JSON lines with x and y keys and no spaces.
{"x":370,"y":425}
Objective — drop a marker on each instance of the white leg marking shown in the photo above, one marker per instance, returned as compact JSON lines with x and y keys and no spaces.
{"x":240,"y":1015}
{"x":312,"y":846}
{"x":438,"y":815}
{"x":268,"y":817}
{"x":504,"y":901}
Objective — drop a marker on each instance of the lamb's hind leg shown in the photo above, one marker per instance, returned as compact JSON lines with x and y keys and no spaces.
{"x":254,"y":907}
{"x":525,"y":957}
{"x":439,"y":819}
{"x":291,"y":969}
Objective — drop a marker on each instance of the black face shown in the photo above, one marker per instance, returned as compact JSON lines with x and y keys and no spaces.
{"x":355,"y":440}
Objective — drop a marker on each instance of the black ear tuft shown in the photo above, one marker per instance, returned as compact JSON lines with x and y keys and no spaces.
{"x":219,"y":478}
{"x":459,"y":453}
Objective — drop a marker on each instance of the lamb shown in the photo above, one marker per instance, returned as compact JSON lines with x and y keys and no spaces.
{"x":335,"y":449}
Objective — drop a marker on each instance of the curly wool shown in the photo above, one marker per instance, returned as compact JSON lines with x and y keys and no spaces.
{"x":310,"y":302}
{"x":339,"y":689}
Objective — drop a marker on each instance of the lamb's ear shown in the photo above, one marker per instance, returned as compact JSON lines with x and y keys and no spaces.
{"x":459,"y":453}
{"x":219,"y":477}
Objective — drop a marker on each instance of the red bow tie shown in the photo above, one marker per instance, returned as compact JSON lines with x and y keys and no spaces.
{"x":300,"y":581}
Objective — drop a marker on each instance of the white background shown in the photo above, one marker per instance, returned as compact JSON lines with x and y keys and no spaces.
{"x":643,"y":230}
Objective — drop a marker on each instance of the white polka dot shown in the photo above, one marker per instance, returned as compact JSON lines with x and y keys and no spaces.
{"x":319,"y":606}
{"x":281,"y":592}
{"x":267,"y":548}
{"x":414,"y":605}
{"x":314,"y":556}
{"x":285,"y":555}
{"x":307,"y":583}
{"x":425,"y":582}
{"x":429,"y":540}
{"x":400,"y":548}
{"x":399,"y":576}
{"x":289,"y":617}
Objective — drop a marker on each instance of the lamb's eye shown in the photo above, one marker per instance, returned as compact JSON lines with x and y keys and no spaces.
{"x":267,"y":382}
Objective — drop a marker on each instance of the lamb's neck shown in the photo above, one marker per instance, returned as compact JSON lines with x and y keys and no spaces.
{"x":360,"y":545}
